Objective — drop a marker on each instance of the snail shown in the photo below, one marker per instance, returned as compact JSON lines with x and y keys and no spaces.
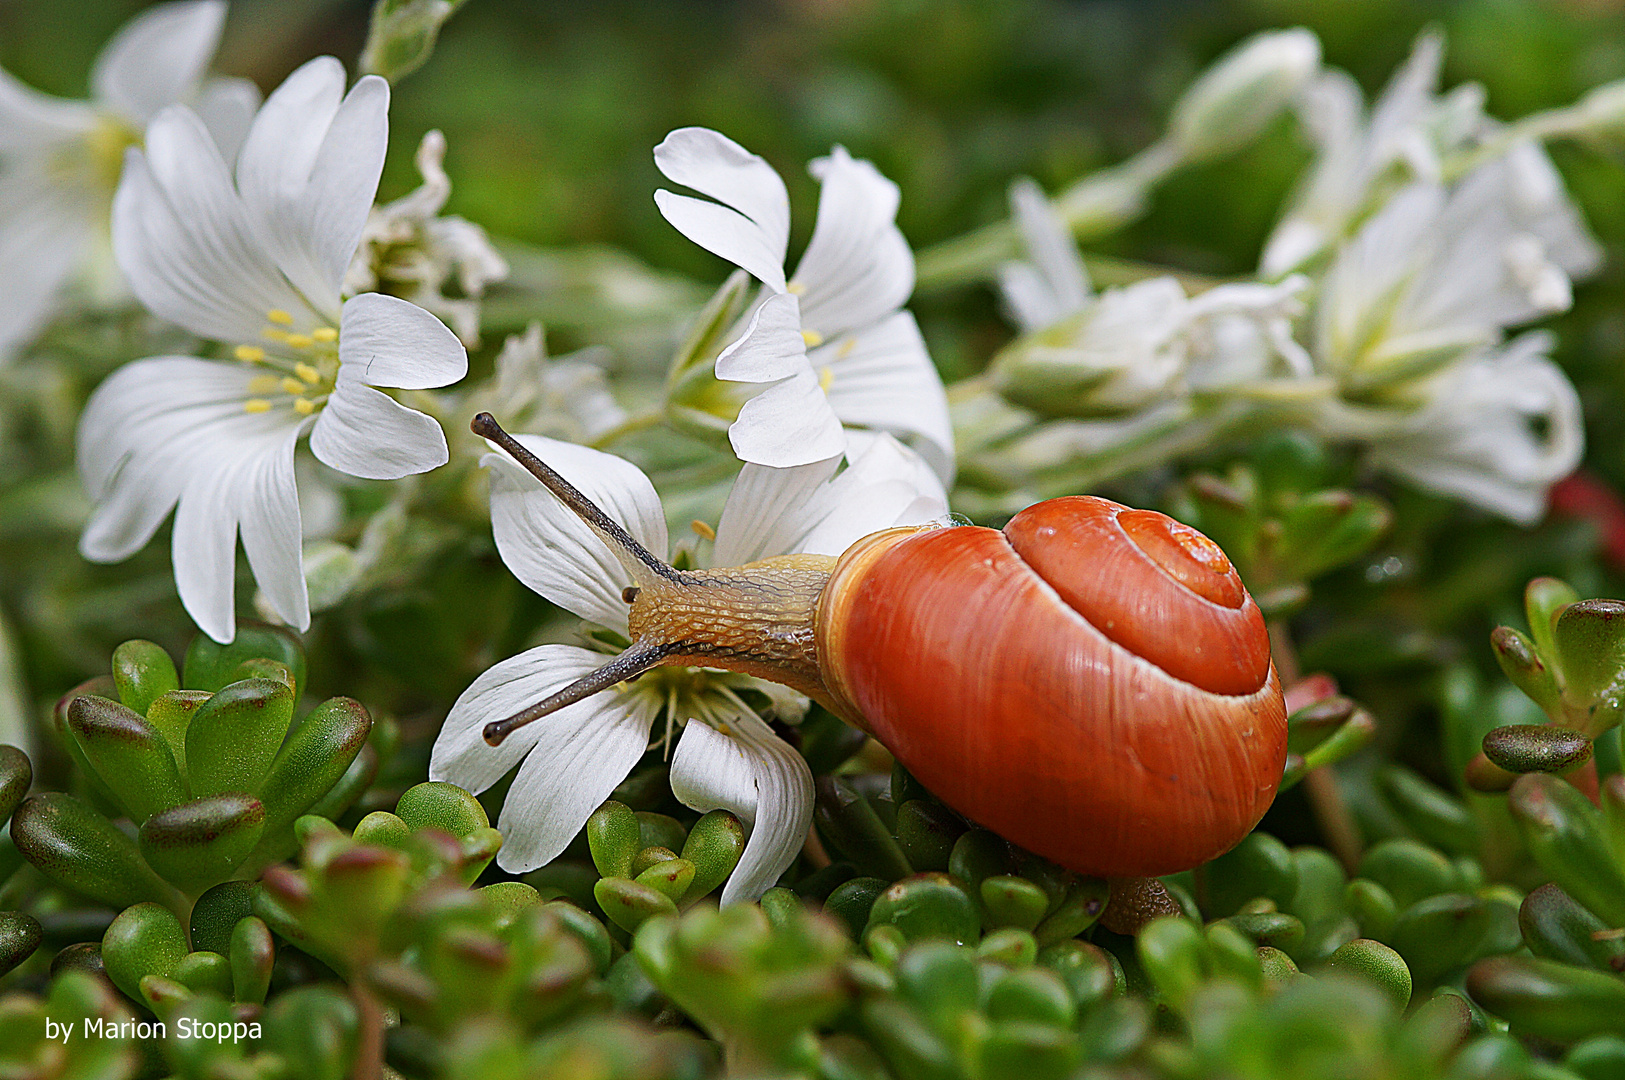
{"x":1092,"y":682}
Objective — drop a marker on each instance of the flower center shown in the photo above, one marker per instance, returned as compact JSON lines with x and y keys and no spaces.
{"x":297,"y":369}
{"x":95,"y":161}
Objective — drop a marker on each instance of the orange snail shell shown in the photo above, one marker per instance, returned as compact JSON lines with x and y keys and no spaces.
{"x":1092,"y":683}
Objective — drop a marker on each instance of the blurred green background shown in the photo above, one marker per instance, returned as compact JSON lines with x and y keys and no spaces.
{"x":551,"y":111}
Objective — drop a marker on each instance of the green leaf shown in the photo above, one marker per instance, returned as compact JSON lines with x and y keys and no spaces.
{"x":614,"y":839}
{"x":145,"y":939}
{"x":851,"y":828}
{"x":671,"y":878}
{"x":1434,"y":814}
{"x":1377,"y":962}
{"x":1556,"y":927}
{"x":311,"y":764}
{"x":81,"y":850}
{"x":1522,"y":664}
{"x":217,"y":912}
{"x":20,"y":935}
{"x":128,"y":754}
{"x":629,"y":904}
{"x":1549,"y":1000}
{"x":234,"y":737}
{"x":928,"y":906}
{"x":205,"y":973}
{"x":1564,"y":834}
{"x":143,"y":672}
{"x":16,"y":776}
{"x":439,"y":805}
{"x":714,"y":845}
{"x":1008,"y":900}
{"x":211,"y":666}
{"x":198,"y":844}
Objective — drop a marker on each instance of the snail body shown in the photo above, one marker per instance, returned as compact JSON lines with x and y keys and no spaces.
{"x":1092,"y":682}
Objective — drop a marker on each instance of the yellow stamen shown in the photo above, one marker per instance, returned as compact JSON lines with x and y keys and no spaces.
{"x":846,"y":348}
{"x":325,"y":334}
{"x":813,"y":338}
{"x":304,"y":406}
{"x":274,"y":334}
{"x":826,"y":376}
{"x":702,"y":529}
{"x":795,"y":288}
{"x":250,"y":354}
{"x":256,"y":405}
{"x":307,"y":373}
{"x":260,"y":385}
{"x":277,"y":315}
{"x":301,"y":341}
{"x":292,"y":386}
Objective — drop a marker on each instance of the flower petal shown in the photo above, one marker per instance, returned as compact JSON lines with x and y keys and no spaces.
{"x":766,"y":510}
{"x":751,"y":227}
{"x":723,"y":232}
{"x":241,"y":469}
{"x":1054,"y":257}
{"x":30,"y":120}
{"x":141,"y":436}
{"x":857,"y":268}
{"x":308,"y":173}
{"x":808,"y":509}
{"x":367,"y":433}
{"x":755,"y":775}
{"x":771,"y":348}
{"x":576,"y":756}
{"x":183,"y":242}
{"x":158,"y":57}
{"x":883,"y":378}
{"x":553,"y":551}
{"x":386,"y":341}
{"x":1501,"y":429}
{"x":227,"y":108}
{"x":885,"y":485}
{"x":43,"y":237}
{"x":788,"y":423}
{"x":273,"y":531}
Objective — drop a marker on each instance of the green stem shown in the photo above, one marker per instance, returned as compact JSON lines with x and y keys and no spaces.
{"x":1094,"y":206}
{"x":630,"y":426}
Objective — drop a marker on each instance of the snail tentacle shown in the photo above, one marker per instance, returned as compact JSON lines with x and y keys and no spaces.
{"x":640,"y":657}
{"x":639,"y":561}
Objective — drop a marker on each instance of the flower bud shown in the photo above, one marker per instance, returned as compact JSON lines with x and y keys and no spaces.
{"x":1236,"y":98}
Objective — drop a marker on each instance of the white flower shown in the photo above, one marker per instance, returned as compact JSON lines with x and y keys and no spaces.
{"x":1361,"y":160}
{"x":255,"y":264}
{"x":830,"y":344}
{"x":1131,"y":347}
{"x":574,"y":757}
{"x":1440,"y":272}
{"x":60,"y":160}
{"x":408,"y":251}
{"x":565,"y":398}
{"x":1499,"y":430}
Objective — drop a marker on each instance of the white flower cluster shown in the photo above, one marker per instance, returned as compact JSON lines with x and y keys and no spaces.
{"x":1419,"y":236}
{"x":255,"y":228}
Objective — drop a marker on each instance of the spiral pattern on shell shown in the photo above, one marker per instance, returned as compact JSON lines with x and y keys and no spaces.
{"x":1093,"y":683}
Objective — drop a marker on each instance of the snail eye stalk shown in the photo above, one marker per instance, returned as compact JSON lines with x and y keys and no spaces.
{"x":637,"y":659}
{"x":638,"y":560}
